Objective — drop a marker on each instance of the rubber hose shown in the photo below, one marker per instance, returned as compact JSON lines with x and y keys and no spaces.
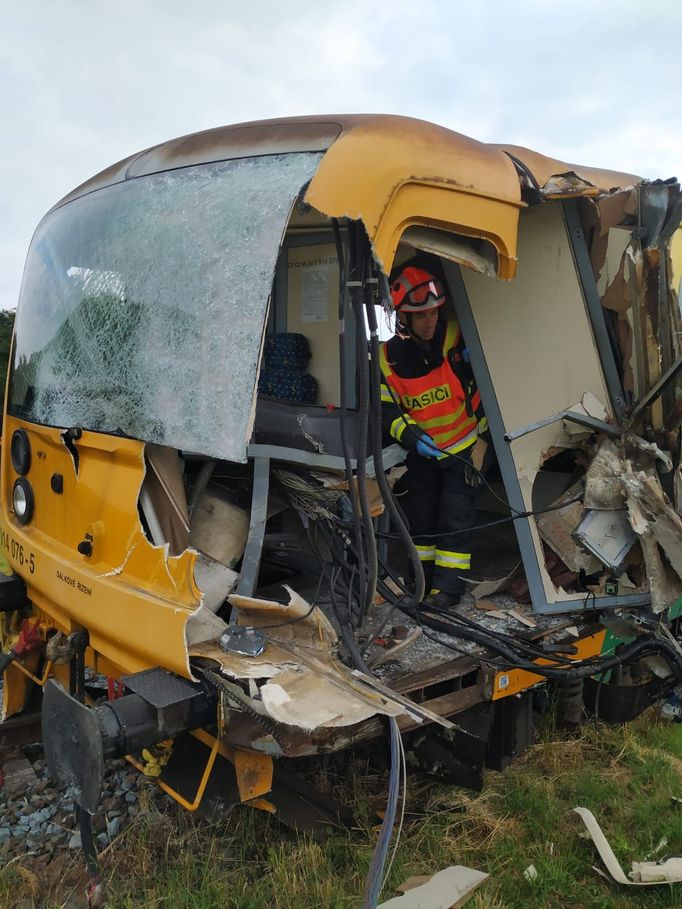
{"x":386,"y":491}
{"x":361,"y":468}
{"x":352,"y":490}
{"x":630,"y":653}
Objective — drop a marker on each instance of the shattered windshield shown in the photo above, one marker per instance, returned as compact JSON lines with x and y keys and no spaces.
{"x":143,"y":304}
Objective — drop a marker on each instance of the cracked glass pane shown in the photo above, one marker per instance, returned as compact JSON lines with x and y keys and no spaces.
{"x":143,"y":304}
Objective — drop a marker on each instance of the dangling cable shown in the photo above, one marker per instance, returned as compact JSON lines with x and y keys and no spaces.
{"x":375,"y":877}
{"x":357,"y":292}
{"x":352,"y":488}
{"x":386,"y":491}
{"x":362,"y":521}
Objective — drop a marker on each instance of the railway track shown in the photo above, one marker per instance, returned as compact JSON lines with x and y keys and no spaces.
{"x":23,"y":729}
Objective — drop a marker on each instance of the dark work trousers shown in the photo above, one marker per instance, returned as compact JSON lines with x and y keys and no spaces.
{"x":442,"y":511}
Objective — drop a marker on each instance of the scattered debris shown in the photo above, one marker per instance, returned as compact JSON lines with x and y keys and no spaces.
{"x":557,"y":528}
{"x":488,"y":605}
{"x":497,"y":614}
{"x":659,"y":847}
{"x":668,"y":871}
{"x":531,"y":874}
{"x":447,"y":889}
{"x":393,"y":647}
{"x":524,"y":619}
{"x":608,"y":535}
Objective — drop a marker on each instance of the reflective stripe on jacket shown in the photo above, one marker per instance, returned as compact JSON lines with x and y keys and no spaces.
{"x":434,"y":403}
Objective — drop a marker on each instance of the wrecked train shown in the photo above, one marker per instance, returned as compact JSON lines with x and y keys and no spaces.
{"x":191,"y":419}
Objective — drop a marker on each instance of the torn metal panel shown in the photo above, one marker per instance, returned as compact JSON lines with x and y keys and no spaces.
{"x":661,"y":518}
{"x":566,"y":185}
{"x":665,"y":587}
{"x":487,"y":588}
{"x":655,"y":310}
{"x":309,"y":702}
{"x":630,"y":239}
{"x":547,"y":172}
{"x":653,"y":209}
{"x":613,"y":481}
{"x":647,"y":453}
{"x":608,"y":222}
{"x":293,"y":622}
{"x":299,"y":681}
{"x":131,"y":595}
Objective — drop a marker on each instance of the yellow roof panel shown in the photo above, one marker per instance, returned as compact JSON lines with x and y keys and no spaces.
{"x":396,"y":172}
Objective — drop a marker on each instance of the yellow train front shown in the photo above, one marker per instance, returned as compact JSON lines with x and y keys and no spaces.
{"x":190,"y":422}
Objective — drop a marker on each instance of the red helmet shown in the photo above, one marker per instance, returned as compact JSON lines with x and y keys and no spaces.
{"x":416,"y":290}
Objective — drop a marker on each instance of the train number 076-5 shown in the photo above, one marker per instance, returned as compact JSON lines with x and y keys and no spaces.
{"x":17,"y":553}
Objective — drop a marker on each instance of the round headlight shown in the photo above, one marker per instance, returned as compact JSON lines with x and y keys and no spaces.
{"x":20,"y":451}
{"x":22,"y":500}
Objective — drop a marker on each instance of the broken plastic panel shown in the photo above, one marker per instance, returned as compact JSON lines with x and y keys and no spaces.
{"x":608,"y":535}
{"x":143,"y":304}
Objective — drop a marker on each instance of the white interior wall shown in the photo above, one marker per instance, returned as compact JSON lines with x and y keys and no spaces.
{"x":538,"y":343}
{"x":312,"y":310}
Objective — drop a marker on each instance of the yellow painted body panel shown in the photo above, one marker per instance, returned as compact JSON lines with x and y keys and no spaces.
{"x":18,"y":685}
{"x":133,"y":599}
{"x":394,"y":173}
{"x":254,"y":773}
{"x":513,"y":681}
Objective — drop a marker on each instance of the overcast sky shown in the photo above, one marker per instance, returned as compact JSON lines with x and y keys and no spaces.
{"x":84,"y":83}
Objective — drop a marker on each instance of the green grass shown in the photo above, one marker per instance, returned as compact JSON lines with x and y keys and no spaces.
{"x":626,"y":775}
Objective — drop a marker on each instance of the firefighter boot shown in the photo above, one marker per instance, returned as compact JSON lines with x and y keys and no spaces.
{"x":441,"y":599}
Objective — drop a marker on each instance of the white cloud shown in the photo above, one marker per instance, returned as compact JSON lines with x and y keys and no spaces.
{"x":84,"y":83}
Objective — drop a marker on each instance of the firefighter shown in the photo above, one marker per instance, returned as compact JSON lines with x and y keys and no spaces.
{"x":431,"y":407}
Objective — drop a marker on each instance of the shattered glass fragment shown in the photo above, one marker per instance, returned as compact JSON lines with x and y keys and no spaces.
{"x":143,"y":304}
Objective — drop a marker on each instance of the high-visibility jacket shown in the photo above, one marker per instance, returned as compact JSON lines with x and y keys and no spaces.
{"x":421,"y":392}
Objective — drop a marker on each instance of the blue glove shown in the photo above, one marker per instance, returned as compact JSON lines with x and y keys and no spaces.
{"x":427,"y":448}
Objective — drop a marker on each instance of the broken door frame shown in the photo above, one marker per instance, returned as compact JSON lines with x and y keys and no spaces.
{"x":501,"y":441}
{"x":595,"y":311}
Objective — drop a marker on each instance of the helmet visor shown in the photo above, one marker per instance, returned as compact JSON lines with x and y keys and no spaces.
{"x":427,"y":295}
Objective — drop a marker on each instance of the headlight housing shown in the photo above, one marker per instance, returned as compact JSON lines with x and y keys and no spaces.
{"x":22,"y":500}
{"x":20,"y":452}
